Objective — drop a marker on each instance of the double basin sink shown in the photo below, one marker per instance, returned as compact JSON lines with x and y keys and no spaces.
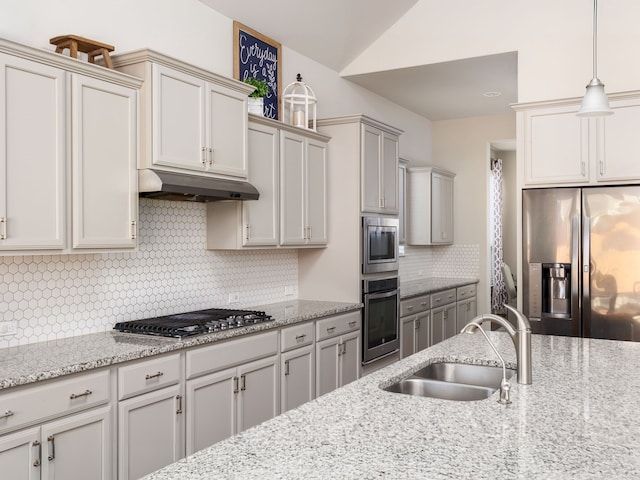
{"x":452,"y":381}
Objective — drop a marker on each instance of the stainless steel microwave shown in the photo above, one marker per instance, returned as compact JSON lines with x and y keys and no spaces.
{"x":379,"y":244}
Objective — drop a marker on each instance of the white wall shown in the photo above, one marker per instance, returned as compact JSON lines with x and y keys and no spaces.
{"x":462,"y":146}
{"x":553,"y":40}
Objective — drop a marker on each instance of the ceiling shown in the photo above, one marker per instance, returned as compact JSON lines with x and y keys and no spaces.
{"x":335,"y":32}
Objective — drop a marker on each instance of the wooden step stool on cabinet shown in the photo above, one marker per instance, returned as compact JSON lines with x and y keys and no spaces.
{"x":77,"y":44}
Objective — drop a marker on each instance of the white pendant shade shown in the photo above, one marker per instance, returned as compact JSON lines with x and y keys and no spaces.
{"x":595,"y":102}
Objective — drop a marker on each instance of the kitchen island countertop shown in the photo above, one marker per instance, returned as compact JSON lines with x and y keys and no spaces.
{"x":45,"y":360}
{"x":578,"y":420}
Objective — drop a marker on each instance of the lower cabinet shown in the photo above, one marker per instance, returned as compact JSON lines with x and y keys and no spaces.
{"x":466,"y":311}
{"x":415,"y":334}
{"x":76,"y":447}
{"x":231,"y":386}
{"x":443,"y":322}
{"x":150,"y":432}
{"x":338,"y":352}
{"x":297,"y":366}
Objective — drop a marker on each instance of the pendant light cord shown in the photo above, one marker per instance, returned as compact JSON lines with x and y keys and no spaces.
{"x":595,"y":38}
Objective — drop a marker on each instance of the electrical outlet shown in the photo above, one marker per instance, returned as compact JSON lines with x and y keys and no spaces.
{"x":234,"y":297}
{"x":8,"y":328}
{"x":288,"y":290}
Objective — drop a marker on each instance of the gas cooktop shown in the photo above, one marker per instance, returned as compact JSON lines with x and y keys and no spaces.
{"x":193,"y":323}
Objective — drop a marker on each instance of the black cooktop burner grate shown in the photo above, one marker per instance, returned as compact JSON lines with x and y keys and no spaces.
{"x":193,"y":323}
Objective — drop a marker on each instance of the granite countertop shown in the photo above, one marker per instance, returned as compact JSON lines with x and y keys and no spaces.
{"x":423,"y":286}
{"x":41,"y":361}
{"x":578,"y":420}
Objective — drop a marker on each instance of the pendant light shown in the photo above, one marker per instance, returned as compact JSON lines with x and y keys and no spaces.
{"x":595,"y":102}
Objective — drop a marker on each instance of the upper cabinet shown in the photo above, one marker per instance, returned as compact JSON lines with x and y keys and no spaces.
{"x":288,"y":167}
{"x":559,"y":147}
{"x":429,"y":206}
{"x":68,"y":154}
{"x":193,"y":120}
{"x":379,"y":169}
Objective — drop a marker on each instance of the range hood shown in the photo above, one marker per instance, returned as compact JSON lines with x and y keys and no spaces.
{"x":192,"y":188}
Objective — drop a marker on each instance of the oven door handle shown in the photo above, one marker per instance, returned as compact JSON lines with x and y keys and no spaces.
{"x":385,"y":294}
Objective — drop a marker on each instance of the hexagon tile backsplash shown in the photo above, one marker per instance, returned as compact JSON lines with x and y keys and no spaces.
{"x":56,"y":296}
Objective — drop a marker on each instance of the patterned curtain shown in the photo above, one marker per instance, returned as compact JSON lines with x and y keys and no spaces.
{"x":499,"y":293}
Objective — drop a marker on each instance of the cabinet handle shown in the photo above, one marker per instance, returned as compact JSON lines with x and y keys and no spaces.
{"x":86,"y":393}
{"x":248,"y":236}
{"x":134,"y":230}
{"x":37,"y":461}
{"x":3,"y":230}
{"x":445,"y":314}
{"x":243,"y":387}
{"x":468,"y":307}
{"x":437,"y":299}
{"x":203,"y":159}
{"x":179,"y":398}
{"x":601,"y":167}
{"x":340,"y":349}
{"x":211,"y":156}
{"x":235,"y":385}
{"x":8,"y":413}
{"x":52,"y":455}
{"x":409,"y":307}
{"x":417,"y":324}
{"x":423,"y":304}
{"x":353,"y":323}
{"x":286,"y":367}
{"x":310,"y":234}
{"x":462,"y":294}
{"x":344,"y":348}
{"x":301,"y":337}
{"x":582,"y":168}
{"x":330,"y":329}
{"x":155,"y":375}
{"x":380,"y":202}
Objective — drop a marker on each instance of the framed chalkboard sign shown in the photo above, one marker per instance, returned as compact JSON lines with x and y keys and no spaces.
{"x":255,"y":55}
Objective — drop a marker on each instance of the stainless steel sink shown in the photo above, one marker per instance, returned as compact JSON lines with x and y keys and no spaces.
{"x":479,"y":375}
{"x":452,"y":381}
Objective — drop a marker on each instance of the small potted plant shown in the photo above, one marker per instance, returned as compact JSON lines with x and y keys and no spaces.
{"x":256,"y":98}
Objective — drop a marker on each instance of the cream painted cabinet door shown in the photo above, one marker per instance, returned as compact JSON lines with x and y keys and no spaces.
{"x":150,"y":432}
{"x":178,"y":109}
{"x":316,"y":188}
{"x":303,"y":190}
{"x":226,"y":131}
{"x":32,"y":155}
{"x":422,"y":331}
{"x":407,"y":339}
{"x":441,"y":208}
{"x":350,"y":358}
{"x":104,"y":162}
{"x":261,"y":217}
{"x":211,"y":409}
{"x":467,"y":309}
{"x":556,"y":145}
{"x":443,"y":323}
{"x":297,"y":378}
{"x":618,"y":142}
{"x":327,"y":365}
{"x":78,"y":447}
{"x":259,"y":397}
{"x":379,"y":171}
{"x":21,"y":455}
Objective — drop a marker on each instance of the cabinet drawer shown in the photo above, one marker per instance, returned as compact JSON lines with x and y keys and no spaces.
{"x":43,"y":402}
{"x":467,"y":291}
{"x":296,"y":336}
{"x":148,"y":375}
{"x":442,"y":298}
{"x":230,"y":353}
{"x":415,"y":305}
{"x":332,"y":326}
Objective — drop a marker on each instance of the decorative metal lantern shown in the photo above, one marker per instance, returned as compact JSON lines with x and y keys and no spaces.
{"x":299,"y":105}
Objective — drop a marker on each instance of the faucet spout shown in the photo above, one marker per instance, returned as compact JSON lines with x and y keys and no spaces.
{"x":521,"y":337}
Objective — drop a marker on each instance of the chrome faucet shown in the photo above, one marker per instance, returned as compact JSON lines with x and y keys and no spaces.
{"x":521,"y":337}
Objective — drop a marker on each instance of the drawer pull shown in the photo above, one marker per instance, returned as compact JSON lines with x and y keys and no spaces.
{"x":155,"y":375}
{"x":37,"y":461}
{"x":179,"y":398}
{"x":437,"y":299}
{"x":353,"y":323}
{"x":8,"y":413}
{"x":301,"y":337}
{"x":52,"y":455}
{"x":330,"y":329}
{"x":409,"y":307}
{"x":86,"y":393}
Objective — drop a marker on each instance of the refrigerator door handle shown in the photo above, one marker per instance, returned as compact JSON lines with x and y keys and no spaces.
{"x":586,"y":276}
{"x":575,"y":274}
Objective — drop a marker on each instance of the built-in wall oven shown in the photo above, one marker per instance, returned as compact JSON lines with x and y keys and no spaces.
{"x":380,"y":325}
{"x":379,"y":244}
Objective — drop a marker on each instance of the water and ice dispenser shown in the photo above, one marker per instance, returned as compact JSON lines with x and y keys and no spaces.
{"x":550,"y":290}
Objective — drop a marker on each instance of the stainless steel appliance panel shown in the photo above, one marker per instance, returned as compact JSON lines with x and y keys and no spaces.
{"x":379,"y":244}
{"x":611,"y":288}
{"x":381,"y":319}
{"x":551,"y":246}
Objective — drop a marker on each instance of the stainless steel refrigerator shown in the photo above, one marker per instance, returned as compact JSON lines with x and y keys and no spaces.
{"x":581,"y":261}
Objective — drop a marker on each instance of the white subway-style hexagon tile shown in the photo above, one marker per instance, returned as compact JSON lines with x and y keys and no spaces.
{"x":448,"y":261}
{"x":56,"y":296}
